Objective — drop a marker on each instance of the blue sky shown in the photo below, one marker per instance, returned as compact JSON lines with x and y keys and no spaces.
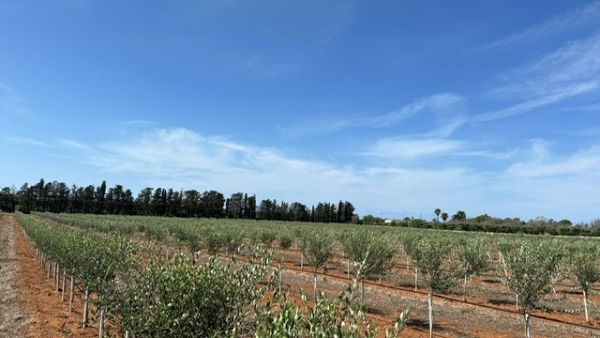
{"x":400,"y":107}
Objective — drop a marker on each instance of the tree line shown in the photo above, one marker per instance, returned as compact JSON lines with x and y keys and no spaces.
{"x":57,"y":197}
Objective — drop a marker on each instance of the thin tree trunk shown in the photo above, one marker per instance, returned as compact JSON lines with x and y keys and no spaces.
{"x":280,"y":278}
{"x":527,"y":330}
{"x":585,"y":306}
{"x":416,"y":278}
{"x":430,"y":305}
{"x":57,"y":276}
{"x":71,"y":295}
{"x":315,"y":287}
{"x":127,"y":334}
{"x":504,"y":265}
{"x":348,"y":271}
{"x":302,"y":261}
{"x":85,"y":307}
{"x":465,"y":289}
{"x":64,"y":285}
{"x":101,"y":325}
{"x":362,"y":292}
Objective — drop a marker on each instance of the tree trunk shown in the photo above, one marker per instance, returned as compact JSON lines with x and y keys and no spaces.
{"x":465,"y":289}
{"x":504,"y":265}
{"x":430,"y":305}
{"x":101,"y":325}
{"x":416,"y":278}
{"x":71,"y":294}
{"x":585,"y":306}
{"x":527,"y":331}
{"x":85,"y":307}
{"x":57,"y":276}
{"x":348,"y":271}
{"x":315,"y":287}
{"x":64,"y":285}
{"x":302,"y":261}
{"x":280,"y":278}
{"x":362,"y":292}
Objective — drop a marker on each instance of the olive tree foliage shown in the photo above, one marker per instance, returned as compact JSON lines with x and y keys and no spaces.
{"x":182,"y":299}
{"x":530,"y":266}
{"x":473,"y":259}
{"x":584,"y":267}
{"x":317,"y":247}
{"x":371,"y":253}
{"x":410,"y":241}
{"x":432,"y":257}
{"x":343,"y":317}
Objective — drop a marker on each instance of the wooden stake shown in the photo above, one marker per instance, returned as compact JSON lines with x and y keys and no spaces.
{"x":85,"y":307}
{"x":71,"y":295}
{"x":430,"y":304}
{"x":64,"y":285}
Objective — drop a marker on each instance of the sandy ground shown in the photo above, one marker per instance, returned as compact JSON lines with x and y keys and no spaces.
{"x":38,"y":308}
{"x":13,"y":319}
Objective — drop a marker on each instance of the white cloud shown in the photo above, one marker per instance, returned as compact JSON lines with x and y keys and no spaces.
{"x":180,"y":158}
{"x":27,"y":141}
{"x":543,"y":164}
{"x":530,"y":105}
{"x":569,"y":20}
{"x":442,"y":104}
{"x":571,"y":71}
{"x":410,"y":149}
{"x":11,"y":102}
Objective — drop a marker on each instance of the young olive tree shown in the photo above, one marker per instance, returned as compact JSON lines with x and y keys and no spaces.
{"x":530,"y":266}
{"x":317,"y":247}
{"x":182,"y":299}
{"x":286,"y":239}
{"x":371,"y":253}
{"x":472,"y":259}
{"x":584,"y":266}
{"x":431,"y":254}
{"x":343,"y":317}
{"x":410,"y":242}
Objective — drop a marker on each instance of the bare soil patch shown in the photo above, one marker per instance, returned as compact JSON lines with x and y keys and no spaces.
{"x":13,"y":320}
{"x":43,"y":314}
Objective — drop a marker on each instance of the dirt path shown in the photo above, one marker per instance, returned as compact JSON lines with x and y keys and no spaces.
{"x":41,"y":311}
{"x":13,"y":320}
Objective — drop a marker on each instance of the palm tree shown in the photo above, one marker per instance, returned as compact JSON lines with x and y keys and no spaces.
{"x":437,"y":213}
{"x":444,"y":216}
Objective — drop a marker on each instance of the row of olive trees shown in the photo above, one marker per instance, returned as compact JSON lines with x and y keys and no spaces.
{"x":441,"y":262}
{"x":181,"y":298}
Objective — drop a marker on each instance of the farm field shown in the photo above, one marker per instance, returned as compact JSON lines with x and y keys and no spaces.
{"x":489,"y":309}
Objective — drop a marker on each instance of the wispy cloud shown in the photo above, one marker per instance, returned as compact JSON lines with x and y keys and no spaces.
{"x":11,"y":102}
{"x":181,"y":158}
{"x":27,"y":141}
{"x":570,"y":71}
{"x":439,"y":103}
{"x":572,"y":19}
{"x":410,"y":149}
{"x":541,"y":163}
{"x":543,"y":101}
{"x":137,"y":123}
